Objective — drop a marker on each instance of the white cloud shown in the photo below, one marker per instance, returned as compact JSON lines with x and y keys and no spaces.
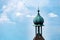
{"x":18,"y":14}
{"x":19,"y":5}
{"x":15,"y":9}
{"x":4,"y":6}
{"x":30,"y":16}
{"x":52,"y":15}
{"x":5,"y":19}
{"x":15,"y":6}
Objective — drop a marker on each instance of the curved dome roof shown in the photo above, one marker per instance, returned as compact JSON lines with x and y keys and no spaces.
{"x":38,"y":20}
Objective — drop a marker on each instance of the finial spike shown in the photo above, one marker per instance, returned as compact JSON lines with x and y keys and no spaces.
{"x":38,"y":10}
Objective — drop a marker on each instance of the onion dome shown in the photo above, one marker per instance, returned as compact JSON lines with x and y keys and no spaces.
{"x":38,"y":20}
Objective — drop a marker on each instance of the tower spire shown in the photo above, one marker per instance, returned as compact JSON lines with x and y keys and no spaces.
{"x":38,"y":22}
{"x":38,"y":11}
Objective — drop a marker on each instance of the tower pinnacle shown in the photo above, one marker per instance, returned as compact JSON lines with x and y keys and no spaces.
{"x":38,"y":22}
{"x":38,"y":11}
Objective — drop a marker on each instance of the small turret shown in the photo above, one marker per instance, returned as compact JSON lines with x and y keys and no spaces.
{"x":38,"y":20}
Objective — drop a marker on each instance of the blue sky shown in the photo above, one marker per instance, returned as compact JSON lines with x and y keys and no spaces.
{"x":16,"y":19}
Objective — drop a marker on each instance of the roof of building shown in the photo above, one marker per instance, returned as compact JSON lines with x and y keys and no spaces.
{"x":38,"y":19}
{"x":38,"y":37}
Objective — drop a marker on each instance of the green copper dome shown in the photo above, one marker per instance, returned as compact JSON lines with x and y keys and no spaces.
{"x":38,"y":20}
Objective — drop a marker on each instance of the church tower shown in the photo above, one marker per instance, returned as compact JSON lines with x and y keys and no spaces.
{"x":38,"y":22}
